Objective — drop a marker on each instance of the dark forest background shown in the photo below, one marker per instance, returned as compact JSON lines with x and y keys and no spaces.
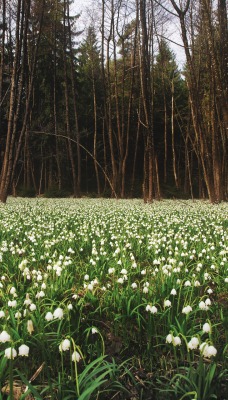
{"x":105,"y":110}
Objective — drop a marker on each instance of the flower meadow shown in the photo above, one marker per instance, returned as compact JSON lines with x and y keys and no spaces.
{"x":113,"y":299}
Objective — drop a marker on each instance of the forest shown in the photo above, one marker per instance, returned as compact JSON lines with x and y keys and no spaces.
{"x":104,"y":109}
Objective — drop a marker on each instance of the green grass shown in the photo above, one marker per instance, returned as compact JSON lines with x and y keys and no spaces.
{"x":128,"y":285}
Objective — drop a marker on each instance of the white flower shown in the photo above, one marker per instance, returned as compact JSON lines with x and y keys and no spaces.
{"x":58,"y":313}
{"x":111,"y":271}
{"x":194,"y":343}
{"x":18,"y":315}
{"x":169,"y":338}
{"x":186,"y":310}
{"x":203,"y":306}
{"x":12,"y":303}
{"x":23,"y":350}
{"x":70,"y":306}
{"x":151,"y":309}
{"x":49,"y":316}
{"x":226,"y":280}
{"x":4,"y":337}
{"x":12,"y":290}
{"x":211,"y":351}
{"x":86,"y":277}
{"x":197,"y":284}
{"x":208,"y":302}
{"x":27,"y":301}
{"x":40,"y":294}
{"x":173,"y":292}
{"x":206,"y":327}
{"x":207,"y":351}
{"x":94,"y":330}
{"x":167,"y":303}
{"x":209,"y":291}
{"x":176,"y":341}
{"x":32,"y":307}
{"x":2,"y":314}
{"x":145,"y":289}
{"x":64,"y":345}
{"x":123,"y":271}
{"x":75,"y":356}
{"x":30,"y":327}
{"x":134,"y":285}
{"x":10,"y":353}
{"x":187,"y":283}
{"x":120,"y":280}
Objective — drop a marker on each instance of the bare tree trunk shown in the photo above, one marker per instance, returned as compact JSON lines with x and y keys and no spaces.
{"x":147,"y":98}
{"x":2,"y":55}
{"x":72,"y":69}
{"x":6,"y":171}
{"x":173,"y":139}
{"x":67,"y":111}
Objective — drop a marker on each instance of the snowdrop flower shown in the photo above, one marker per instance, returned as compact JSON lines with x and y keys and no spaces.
{"x":40,"y":294}
{"x":49,"y":316}
{"x":145,"y":289}
{"x":32,"y":307}
{"x":86,"y":277}
{"x":120,"y":280}
{"x":94,"y":330}
{"x":151,"y":309}
{"x":123,"y":271}
{"x":58,"y":313}
{"x":209,"y":291}
{"x":18,"y":315}
{"x":197,"y":284}
{"x":70,"y":306}
{"x":173,"y":292}
{"x":167,"y":303}
{"x":76,"y":356}
{"x":30,"y":327}
{"x":27,"y":301}
{"x":186,"y":310}
{"x":143,"y":272}
{"x":169,"y":338}
{"x":111,"y":271}
{"x":208,"y":351}
{"x":2,"y":314}
{"x":211,"y":351}
{"x":203,"y":306}
{"x":134,"y":285}
{"x":90,"y":286}
{"x":12,"y":303}
{"x":176,"y":341}
{"x":208,"y":302}
{"x":10,"y":353}
{"x":23,"y":350}
{"x":226,"y":280}
{"x":193,"y":344}
{"x":64,"y":345}
{"x":12,"y":290}
{"x":187,"y":283}
{"x":206,"y":328}
{"x":4,"y":337}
